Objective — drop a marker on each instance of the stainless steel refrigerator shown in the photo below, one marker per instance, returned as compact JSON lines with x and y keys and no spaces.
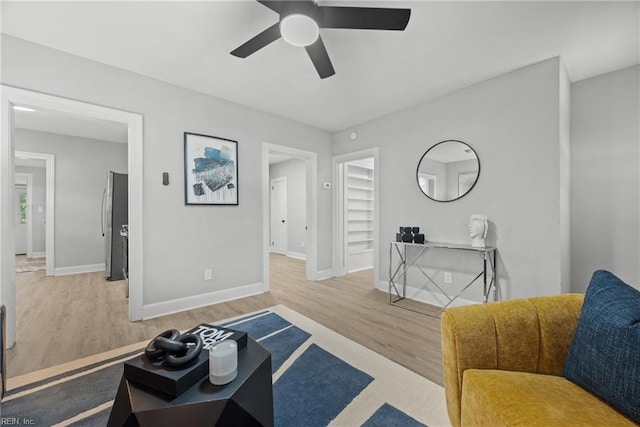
{"x":115,"y":214}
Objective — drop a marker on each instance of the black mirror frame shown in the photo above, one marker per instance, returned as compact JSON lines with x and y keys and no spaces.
{"x":431,"y":148}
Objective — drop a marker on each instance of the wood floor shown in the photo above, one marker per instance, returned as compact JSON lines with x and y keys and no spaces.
{"x":60,"y":319}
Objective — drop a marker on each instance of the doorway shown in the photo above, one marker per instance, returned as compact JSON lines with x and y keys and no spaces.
{"x":297,"y":195}
{"x":356,"y":217}
{"x":279,"y":223}
{"x":25,"y":176}
{"x":12,"y":97}
{"x":21,"y":218}
{"x":41,"y":202}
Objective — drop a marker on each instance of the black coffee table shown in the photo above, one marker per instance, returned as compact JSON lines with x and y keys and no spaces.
{"x":246,"y":401}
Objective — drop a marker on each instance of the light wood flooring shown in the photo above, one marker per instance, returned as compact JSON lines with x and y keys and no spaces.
{"x":60,"y":319}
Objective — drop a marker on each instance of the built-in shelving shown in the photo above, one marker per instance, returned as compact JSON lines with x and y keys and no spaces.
{"x":358,"y":201}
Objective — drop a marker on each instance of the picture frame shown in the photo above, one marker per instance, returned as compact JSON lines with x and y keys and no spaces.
{"x":210,"y":170}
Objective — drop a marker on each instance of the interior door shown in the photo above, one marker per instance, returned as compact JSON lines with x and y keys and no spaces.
{"x":279,"y":215}
{"x":21,"y":219}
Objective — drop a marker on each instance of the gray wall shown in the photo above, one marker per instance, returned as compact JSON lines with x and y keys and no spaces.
{"x":38,"y":199}
{"x":295,"y":171}
{"x":181,"y":241}
{"x":564,"y":180}
{"x":605,"y":177}
{"x":81,"y":167}
{"x":512,"y":122}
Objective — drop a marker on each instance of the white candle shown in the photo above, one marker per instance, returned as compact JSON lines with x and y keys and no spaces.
{"x":223,"y":362}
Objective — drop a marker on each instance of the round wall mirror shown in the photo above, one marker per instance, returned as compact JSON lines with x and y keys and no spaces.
{"x":448,"y":171}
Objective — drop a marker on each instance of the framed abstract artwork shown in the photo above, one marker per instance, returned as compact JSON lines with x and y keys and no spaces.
{"x":210,"y":170}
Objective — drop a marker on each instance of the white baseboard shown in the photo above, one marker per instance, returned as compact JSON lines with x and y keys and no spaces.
{"x":38,"y":254}
{"x":325,"y":274}
{"x":78,"y":269}
{"x":149,"y":311}
{"x":428,"y":297}
{"x":355,"y":270}
{"x":297,"y":255}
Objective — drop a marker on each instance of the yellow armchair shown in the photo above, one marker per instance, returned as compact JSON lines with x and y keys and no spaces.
{"x":503,"y":365}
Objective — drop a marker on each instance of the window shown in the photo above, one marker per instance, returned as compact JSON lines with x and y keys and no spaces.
{"x":23,"y":208}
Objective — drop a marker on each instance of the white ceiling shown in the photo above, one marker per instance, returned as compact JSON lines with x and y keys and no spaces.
{"x":446,"y":46}
{"x":68,"y":124}
{"x":31,"y":163}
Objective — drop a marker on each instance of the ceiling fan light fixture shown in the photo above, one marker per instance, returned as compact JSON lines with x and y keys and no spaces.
{"x":299,"y":30}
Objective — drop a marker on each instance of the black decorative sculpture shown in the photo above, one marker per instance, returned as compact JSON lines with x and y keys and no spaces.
{"x":173,"y":348}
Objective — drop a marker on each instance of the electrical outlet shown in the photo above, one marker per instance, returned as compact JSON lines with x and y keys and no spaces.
{"x":302,"y":244}
{"x":447,"y":277}
{"x":208,"y":274}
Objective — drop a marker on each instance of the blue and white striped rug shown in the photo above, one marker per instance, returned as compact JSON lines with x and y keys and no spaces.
{"x":320,"y":378}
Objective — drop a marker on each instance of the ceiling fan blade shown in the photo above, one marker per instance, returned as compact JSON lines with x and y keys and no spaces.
{"x":320,"y":58}
{"x":269,"y":35}
{"x":276,"y":6}
{"x":365,"y":18}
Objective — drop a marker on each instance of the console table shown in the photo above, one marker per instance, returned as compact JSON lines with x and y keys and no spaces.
{"x":398,"y":276}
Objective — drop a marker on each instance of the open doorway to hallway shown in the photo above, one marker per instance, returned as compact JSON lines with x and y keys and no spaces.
{"x":287,"y":198}
{"x":15,"y":98}
{"x":85,"y":151}
{"x":287,"y":210}
{"x":289,"y":178}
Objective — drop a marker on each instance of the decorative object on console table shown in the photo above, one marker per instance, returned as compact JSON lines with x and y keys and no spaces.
{"x":210,"y":170}
{"x":152,"y":370}
{"x":404,"y":235}
{"x":410,"y":235}
{"x":478,"y":228}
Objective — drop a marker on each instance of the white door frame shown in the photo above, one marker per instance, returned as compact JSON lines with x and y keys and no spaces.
{"x":15,"y":96}
{"x":311,"y":166}
{"x":286,"y":225}
{"x":50,"y":177}
{"x":28,"y":181}
{"x":339,"y":266}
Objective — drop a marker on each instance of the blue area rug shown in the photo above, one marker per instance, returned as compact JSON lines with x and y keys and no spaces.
{"x":312,"y":388}
{"x":388,"y":415}
{"x":274,"y":333}
{"x":315,"y":389}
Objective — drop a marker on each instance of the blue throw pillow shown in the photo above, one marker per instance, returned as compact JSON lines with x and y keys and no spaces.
{"x":604,"y":357}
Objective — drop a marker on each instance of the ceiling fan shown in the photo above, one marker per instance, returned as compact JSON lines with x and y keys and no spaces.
{"x":300,"y":23}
